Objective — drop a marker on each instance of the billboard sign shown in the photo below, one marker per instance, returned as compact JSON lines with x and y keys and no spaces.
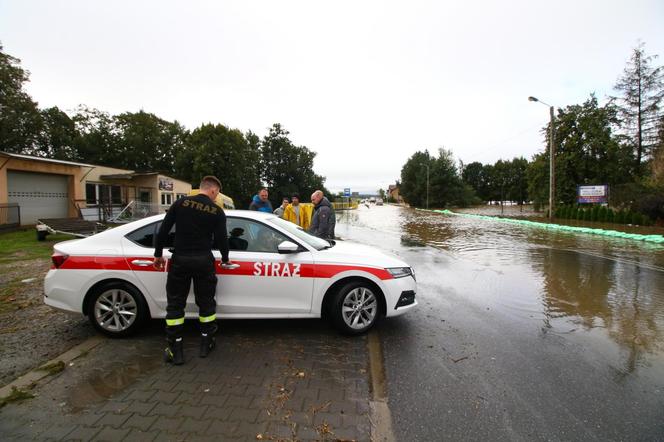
{"x":593,"y":194}
{"x":165,"y":184}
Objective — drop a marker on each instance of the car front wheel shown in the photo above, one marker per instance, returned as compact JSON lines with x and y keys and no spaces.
{"x":355,"y":308}
{"x":117,"y":309}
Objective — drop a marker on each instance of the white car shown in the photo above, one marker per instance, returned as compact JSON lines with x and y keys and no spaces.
{"x":283,"y":272}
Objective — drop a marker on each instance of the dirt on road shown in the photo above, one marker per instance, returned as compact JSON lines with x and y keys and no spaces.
{"x":31,"y":332}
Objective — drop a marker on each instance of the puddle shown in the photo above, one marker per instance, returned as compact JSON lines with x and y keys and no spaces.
{"x":111,"y":377}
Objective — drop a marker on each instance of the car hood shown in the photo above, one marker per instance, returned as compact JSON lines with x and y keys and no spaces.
{"x":352,"y":253}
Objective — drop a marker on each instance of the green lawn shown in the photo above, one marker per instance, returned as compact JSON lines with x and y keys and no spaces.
{"x":22,"y":245}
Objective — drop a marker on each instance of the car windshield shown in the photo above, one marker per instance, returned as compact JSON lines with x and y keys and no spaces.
{"x":298,"y":232}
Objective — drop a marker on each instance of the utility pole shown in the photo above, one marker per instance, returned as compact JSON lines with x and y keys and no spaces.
{"x":552,"y":157}
{"x":427,"y":186}
{"x":552,"y":167}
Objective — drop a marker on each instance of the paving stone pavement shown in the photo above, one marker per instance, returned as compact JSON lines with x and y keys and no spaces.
{"x":266,"y":380}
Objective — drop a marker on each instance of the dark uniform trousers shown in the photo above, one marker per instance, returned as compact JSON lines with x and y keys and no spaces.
{"x":182,"y":270}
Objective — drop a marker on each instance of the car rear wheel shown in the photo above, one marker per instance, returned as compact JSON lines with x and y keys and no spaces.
{"x":117,"y":309}
{"x":355,"y":308}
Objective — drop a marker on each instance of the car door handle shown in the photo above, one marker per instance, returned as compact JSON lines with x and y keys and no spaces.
{"x":142,"y":262}
{"x":230,"y":266}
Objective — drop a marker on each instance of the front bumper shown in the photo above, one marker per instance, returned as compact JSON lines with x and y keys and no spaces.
{"x":400,"y":295}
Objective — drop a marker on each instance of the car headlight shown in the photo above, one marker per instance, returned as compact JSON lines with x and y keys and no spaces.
{"x":401,"y":272}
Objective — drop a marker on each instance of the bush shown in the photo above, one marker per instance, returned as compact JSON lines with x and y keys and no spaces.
{"x":620,"y":217}
{"x":601,"y":216}
{"x":595,"y":213}
{"x":574,"y":213}
{"x":610,"y":215}
{"x":652,"y":205}
{"x":587,"y":214}
{"x":637,"y":219}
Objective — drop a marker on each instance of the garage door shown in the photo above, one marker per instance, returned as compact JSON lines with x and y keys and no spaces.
{"x":40,"y":195}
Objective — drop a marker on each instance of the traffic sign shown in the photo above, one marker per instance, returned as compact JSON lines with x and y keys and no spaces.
{"x":347,"y":191}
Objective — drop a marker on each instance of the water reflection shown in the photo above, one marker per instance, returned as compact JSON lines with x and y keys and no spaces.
{"x":600,"y":288}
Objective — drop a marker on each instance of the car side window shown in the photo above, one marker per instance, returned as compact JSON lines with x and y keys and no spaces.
{"x":147,"y":235}
{"x":251,"y":236}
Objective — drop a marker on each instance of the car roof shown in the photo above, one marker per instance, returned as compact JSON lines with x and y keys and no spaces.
{"x":249,"y":214}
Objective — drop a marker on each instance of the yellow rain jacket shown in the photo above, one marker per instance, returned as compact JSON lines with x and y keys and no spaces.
{"x":306,"y":213}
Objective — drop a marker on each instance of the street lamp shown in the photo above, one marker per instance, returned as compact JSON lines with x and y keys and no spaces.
{"x":427,"y":166}
{"x":552,"y":151}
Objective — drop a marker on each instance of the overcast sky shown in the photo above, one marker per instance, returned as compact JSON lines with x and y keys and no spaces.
{"x":364,"y":84}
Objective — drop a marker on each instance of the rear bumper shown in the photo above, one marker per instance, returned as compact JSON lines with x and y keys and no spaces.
{"x":58,"y":292}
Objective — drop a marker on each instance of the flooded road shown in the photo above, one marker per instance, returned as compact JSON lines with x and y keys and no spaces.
{"x":521,"y":333}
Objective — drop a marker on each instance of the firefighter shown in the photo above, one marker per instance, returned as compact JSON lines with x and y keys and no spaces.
{"x":201,"y":224}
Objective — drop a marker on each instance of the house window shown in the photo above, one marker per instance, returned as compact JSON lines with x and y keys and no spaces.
{"x":102,"y":194}
{"x":166,"y":199}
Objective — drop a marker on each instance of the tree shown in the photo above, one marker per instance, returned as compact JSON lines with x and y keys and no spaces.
{"x":225,"y":153}
{"x":288,"y":169}
{"x":446,"y":184}
{"x":57,"y":136}
{"x":414,"y":178}
{"x":517,"y":185}
{"x":587,"y":152}
{"x":446,"y":187}
{"x":642,"y":88}
{"x":97,"y":137}
{"x":474,"y":174}
{"x":146,"y":142}
{"x":20,"y":120}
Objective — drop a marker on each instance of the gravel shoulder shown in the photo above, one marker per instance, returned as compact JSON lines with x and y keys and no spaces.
{"x":31,"y":332}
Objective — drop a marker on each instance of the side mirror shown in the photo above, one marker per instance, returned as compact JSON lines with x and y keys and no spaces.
{"x":288,"y":247}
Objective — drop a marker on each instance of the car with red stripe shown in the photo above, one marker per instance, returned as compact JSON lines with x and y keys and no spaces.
{"x":282,"y":272}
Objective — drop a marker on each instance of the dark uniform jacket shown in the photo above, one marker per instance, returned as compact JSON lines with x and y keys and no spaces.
{"x":201,"y":225}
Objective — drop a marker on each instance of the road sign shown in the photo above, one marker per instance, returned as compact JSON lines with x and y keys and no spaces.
{"x":347,"y":191}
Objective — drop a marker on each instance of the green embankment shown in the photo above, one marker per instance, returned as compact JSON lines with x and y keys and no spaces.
{"x":614,"y":233}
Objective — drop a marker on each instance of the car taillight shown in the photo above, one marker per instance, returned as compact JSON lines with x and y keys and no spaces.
{"x":58,"y":259}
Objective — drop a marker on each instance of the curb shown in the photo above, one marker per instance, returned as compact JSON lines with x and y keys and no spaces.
{"x":380,"y":416}
{"x":35,"y":375}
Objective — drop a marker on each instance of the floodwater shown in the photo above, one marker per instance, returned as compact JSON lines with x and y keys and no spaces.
{"x":581,"y":316}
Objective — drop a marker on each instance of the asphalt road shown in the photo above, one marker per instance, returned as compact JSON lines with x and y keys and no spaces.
{"x":496,"y":351}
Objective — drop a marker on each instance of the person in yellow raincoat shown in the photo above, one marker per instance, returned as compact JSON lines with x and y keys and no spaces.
{"x":298,"y":213}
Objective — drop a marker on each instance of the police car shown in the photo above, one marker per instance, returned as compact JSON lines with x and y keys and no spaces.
{"x":282,"y":272}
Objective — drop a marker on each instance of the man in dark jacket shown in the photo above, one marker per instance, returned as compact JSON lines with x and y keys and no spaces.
{"x":323,"y":222}
{"x":260,"y":202}
{"x":201,"y":224}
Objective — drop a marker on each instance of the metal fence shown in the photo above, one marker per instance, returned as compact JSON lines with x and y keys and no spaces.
{"x":136,"y":210}
{"x":10,"y":216}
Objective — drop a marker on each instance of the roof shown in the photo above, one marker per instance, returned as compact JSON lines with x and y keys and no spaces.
{"x":46,"y":160}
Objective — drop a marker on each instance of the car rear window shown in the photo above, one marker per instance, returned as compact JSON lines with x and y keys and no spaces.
{"x":147,"y":235}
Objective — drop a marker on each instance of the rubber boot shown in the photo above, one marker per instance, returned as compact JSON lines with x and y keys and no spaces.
{"x":174,"y":353}
{"x":208,"y":342}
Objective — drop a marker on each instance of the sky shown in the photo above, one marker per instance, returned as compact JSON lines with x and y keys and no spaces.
{"x":364,"y":84}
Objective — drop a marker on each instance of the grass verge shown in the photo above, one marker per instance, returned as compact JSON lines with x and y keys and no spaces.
{"x":53,"y":368}
{"x":16,"y":395}
{"x":23,"y":245}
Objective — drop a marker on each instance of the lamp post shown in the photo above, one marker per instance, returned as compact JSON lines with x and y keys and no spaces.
{"x":552,"y":152}
{"x":427,"y":166}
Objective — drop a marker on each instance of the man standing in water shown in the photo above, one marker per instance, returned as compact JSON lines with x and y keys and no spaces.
{"x":201,"y":224}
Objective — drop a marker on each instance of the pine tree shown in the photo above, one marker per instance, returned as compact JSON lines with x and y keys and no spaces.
{"x":642,"y":88}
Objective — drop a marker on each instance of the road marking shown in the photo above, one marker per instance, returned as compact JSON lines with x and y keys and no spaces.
{"x":381,"y":419}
